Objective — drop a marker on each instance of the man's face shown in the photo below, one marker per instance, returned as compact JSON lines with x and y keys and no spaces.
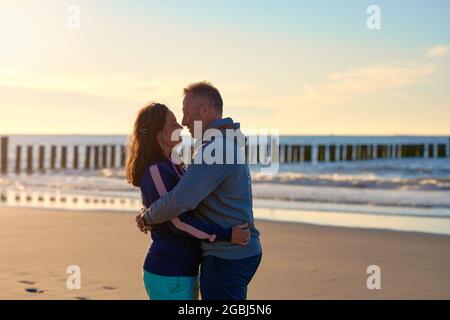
{"x":191,"y":112}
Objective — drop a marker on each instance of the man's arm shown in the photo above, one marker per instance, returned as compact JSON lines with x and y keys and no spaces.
{"x":196,"y":184}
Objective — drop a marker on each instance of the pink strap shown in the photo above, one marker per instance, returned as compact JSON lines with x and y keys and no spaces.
{"x":156,"y":176}
{"x":192,"y":231}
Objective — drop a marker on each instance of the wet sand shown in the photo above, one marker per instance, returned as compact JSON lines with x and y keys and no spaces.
{"x":300,"y":261}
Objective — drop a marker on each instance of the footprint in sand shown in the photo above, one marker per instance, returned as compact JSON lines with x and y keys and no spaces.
{"x":108,"y":288}
{"x":82,"y":298}
{"x":34,"y":290}
{"x":26,"y":282}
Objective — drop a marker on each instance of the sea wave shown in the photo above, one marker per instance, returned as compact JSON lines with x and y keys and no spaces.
{"x":354,"y":181}
{"x":293,"y":187}
{"x":370,"y":197}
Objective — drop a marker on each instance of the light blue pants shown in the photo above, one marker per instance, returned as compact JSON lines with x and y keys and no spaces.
{"x":170,"y":288}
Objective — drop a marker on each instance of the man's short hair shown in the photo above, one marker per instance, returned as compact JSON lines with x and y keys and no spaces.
{"x":207,"y":90}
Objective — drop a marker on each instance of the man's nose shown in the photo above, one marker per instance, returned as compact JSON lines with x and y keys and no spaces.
{"x":184,"y":121}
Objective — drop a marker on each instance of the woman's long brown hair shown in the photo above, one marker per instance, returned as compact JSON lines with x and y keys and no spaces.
{"x":144,"y":148}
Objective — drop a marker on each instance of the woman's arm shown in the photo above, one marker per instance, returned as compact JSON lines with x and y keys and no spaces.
{"x":192,"y":226}
{"x":189,"y":225}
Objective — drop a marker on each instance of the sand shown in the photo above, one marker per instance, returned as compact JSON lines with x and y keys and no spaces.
{"x":299,"y":261}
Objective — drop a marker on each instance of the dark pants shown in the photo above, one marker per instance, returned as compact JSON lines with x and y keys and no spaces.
{"x":222,"y":279}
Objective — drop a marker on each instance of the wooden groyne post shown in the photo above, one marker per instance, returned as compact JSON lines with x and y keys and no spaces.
{"x":104,"y":156}
{"x":53,"y":158}
{"x":64,"y":157}
{"x":4,"y":155}
{"x":18,"y":159}
{"x":96,"y":157}
{"x":29,"y":159}
{"x":75,"y":157}
{"x":87,"y":160}
{"x":41,"y":158}
{"x":113,"y":156}
{"x":123,"y":156}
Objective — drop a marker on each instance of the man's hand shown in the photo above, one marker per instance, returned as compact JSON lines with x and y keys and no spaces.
{"x":240,"y":234}
{"x":142,"y":225}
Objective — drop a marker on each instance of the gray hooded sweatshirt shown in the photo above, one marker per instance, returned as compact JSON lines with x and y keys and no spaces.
{"x":218,"y":185}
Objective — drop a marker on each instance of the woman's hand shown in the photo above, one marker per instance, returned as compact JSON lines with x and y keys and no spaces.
{"x":240,"y":234}
{"x":142,"y":225}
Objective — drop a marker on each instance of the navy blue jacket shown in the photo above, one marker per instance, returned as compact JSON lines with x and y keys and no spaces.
{"x":175,"y":250}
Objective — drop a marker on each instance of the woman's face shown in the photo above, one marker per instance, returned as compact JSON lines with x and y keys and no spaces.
{"x":170,"y":135}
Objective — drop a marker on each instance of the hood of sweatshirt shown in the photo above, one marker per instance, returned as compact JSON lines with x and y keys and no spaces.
{"x":223,"y":125}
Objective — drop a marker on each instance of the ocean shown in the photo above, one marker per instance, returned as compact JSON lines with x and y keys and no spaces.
{"x":401,"y":194}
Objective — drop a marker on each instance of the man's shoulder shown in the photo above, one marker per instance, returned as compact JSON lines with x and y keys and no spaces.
{"x":220,"y":150}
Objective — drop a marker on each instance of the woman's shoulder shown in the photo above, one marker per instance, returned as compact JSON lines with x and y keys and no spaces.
{"x":155,"y":174}
{"x":160,"y":170}
{"x":160,"y":165}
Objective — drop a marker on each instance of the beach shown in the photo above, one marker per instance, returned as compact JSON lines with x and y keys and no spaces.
{"x":300,"y":261}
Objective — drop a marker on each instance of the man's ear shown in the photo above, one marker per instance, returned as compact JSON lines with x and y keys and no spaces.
{"x":204,"y":110}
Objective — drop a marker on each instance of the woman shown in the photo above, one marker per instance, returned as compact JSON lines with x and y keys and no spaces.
{"x":172,"y":262}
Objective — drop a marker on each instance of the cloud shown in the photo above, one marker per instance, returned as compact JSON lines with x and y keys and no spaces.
{"x":439,"y":51}
{"x":132,"y":88}
{"x":342,"y":87}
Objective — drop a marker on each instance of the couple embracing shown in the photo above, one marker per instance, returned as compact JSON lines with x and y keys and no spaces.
{"x":199,"y":216}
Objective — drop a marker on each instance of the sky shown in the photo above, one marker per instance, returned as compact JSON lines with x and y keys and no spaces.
{"x":300,"y":67}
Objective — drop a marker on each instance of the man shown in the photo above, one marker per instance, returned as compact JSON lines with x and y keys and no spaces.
{"x":221,"y":192}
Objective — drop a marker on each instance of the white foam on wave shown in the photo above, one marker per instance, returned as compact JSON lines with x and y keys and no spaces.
{"x":373,"y":197}
{"x":287,"y":186}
